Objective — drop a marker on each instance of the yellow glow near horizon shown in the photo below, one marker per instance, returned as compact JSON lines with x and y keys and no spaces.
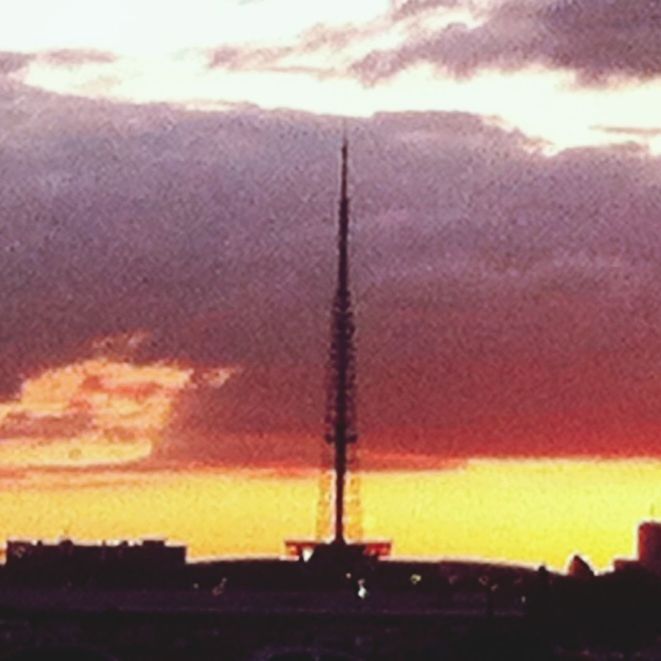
{"x":529,"y":512}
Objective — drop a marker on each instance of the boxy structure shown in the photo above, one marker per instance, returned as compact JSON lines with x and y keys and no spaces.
{"x":66,"y":562}
{"x":649,"y":546}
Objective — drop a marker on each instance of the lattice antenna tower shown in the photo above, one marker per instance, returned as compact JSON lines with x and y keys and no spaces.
{"x":340,"y":419}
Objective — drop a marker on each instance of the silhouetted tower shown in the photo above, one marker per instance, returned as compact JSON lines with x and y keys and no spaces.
{"x":340,"y":431}
{"x":341,"y":397}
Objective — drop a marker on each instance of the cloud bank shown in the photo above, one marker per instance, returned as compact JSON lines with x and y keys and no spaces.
{"x":507,"y":302}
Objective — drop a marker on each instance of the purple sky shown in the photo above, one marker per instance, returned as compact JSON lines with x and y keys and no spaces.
{"x":507,"y":292}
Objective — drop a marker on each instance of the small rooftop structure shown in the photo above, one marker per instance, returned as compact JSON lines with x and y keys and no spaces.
{"x":579,"y":568}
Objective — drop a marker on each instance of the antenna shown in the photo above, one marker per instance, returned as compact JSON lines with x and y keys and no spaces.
{"x":340,"y":404}
{"x":340,"y":427}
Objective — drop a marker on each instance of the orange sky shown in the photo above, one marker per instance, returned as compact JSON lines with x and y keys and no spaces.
{"x":67,"y":475}
{"x":517,"y":511}
{"x":56,"y":484}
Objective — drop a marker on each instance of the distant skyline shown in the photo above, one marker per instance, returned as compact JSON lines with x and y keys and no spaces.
{"x":168,"y":205}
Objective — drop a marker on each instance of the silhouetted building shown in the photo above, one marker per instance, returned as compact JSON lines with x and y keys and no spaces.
{"x":147,"y":553}
{"x":649,"y":546}
{"x":579,"y":568}
{"x":68,"y":562}
{"x":625,"y":564}
{"x":649,"y":551}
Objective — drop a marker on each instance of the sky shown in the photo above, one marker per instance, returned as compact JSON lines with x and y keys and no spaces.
{"x":169,"y":181}
{"x":472,"y":509}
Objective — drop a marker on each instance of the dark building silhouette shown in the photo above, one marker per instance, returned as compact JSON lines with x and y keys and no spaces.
{"x":579,"y":568}
{"x":649,"y":546}
{"x":66,"y":562}
{"x":146,"y":553}
{"x":649,"y":551}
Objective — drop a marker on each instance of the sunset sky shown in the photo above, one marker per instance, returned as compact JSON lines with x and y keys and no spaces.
{"x":168,"y":194}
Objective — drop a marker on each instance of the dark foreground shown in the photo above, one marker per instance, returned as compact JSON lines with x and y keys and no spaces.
{"x":281,"y":610}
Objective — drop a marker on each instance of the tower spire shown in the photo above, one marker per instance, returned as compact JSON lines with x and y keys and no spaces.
{"x":340,"y":429}
{"x":340,"y":405}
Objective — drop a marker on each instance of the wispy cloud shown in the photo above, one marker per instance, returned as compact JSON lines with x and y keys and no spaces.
{"x":406,"y":9}
{"x":77,"y":57}
{"x":597,"y":41}
{"x":633,"y":131}
{"x":326,"y":50}
{"x":283,"y":59}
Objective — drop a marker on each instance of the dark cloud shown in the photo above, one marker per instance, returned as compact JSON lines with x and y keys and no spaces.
{"x":596,"y":40}
{"x":11,"y":62}
{"x":507,"y":302}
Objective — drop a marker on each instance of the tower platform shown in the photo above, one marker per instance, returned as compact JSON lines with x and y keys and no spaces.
{"x":338,"y":553}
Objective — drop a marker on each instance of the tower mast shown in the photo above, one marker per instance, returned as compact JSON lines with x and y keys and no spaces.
{"x":340,"y":406}
{"x":340,"y":428}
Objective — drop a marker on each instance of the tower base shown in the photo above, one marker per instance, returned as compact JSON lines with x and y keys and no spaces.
{"x":340,"y":554}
